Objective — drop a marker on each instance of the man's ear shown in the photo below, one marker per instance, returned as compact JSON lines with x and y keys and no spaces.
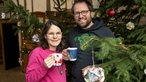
{"x":92,"y":14}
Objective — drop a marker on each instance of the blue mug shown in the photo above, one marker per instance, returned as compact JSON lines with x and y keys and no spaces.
{"x":72,"y":53}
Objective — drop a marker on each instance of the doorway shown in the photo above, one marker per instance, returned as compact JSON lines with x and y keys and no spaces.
{"x":10,"y":45}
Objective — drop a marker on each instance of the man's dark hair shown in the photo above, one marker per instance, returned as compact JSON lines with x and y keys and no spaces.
{"x":89,"y":5}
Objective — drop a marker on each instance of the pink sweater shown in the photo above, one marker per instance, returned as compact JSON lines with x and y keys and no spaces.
{"x":37,"y":72}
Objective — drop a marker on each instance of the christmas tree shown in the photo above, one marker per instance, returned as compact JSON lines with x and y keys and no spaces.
{"x":124,"y":17}
{"x":121,"y":63}
{"x":124,"y":57}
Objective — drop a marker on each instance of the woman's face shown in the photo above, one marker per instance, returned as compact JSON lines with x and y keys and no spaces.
{"x":53,"y":36}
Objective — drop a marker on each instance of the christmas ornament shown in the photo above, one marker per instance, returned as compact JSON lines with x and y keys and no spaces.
{"x":35,"y":38}
{"x":130,"y":25}
{"x":93,"y":74}
{"x":20,"y":61}
{"x":111,"y":12}
{"x":144,"y":71}
{"x":3,"y":15}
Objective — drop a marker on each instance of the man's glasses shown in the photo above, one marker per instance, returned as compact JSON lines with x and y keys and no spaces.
{"x":84,"y":12}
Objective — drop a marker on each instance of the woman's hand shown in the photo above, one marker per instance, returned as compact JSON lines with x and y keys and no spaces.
{"x":49,"y":61}
{"x":65,"y":54}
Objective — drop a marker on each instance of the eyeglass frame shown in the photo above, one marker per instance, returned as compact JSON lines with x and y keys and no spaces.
{"x":51,"y":34}
{"x":83,"y":12}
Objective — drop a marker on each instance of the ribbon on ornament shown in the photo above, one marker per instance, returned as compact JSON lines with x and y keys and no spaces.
{"x":93,"y":73}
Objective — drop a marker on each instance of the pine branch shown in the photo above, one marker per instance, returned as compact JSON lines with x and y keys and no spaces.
{"x":123,"y":61}
{"x":28,"y":22}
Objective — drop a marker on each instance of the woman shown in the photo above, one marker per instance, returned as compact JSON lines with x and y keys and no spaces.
{"x":41,"y":67}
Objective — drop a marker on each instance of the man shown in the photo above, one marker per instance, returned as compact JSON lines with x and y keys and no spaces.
{"x":86,"y":26}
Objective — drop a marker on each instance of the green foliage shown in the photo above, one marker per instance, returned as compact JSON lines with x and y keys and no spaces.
{"x":28,"y":23}
{"x":139,"y":35}
{"x":122,"y":63}
{"x":63,"y":15}
{"x":59,"y":3}
{"x":125,"y":11}
{"x":123,"y":59}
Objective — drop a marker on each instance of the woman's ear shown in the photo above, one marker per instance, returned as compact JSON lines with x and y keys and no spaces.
{"x":45,"y":36}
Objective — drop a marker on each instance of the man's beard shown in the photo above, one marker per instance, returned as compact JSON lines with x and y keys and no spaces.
{"x":86,"y":25}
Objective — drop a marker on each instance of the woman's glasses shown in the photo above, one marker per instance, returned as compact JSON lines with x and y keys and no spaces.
{"x":51,"y":34}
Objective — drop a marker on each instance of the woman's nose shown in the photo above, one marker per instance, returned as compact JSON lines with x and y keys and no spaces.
{"x":55,"y":36}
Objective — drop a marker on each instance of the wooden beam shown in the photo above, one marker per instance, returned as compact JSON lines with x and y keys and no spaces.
{"x":48,"y":5}
{"x":32,"y":5}
{"x":25,"y":5}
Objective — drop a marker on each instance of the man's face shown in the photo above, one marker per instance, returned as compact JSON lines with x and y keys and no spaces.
{"x":82,"y":15}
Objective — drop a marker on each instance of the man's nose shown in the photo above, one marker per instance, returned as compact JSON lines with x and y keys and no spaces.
{"x":80,"y":15}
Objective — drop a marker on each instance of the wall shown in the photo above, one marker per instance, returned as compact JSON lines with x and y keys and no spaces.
{"x":42,"y":5}
{"x":37,"y":5}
